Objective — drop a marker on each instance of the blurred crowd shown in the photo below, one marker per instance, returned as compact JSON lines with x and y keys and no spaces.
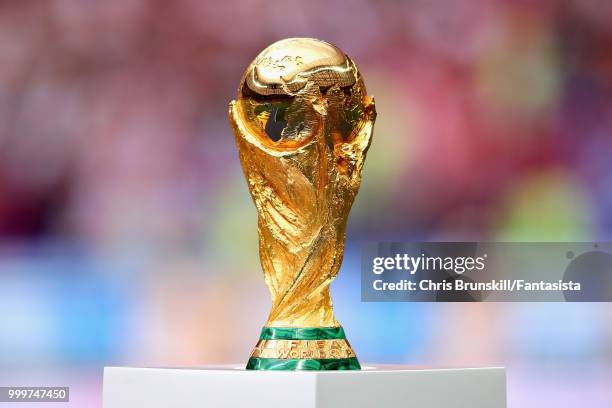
{"x":127,"y":235}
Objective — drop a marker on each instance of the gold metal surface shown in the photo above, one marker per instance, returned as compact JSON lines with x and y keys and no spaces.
{"x":303,"y":124}
{"x":317,"y":349}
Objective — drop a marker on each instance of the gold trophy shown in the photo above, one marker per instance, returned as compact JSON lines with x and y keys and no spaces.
{"x":303,"y":124}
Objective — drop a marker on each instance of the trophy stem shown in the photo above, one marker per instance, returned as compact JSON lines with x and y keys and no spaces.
{"x":303,"y":348}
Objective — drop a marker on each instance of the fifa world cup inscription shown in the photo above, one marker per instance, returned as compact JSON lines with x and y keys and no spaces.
{"x":303,"y":349}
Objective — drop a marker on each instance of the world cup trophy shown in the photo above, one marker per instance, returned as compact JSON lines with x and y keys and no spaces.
{"x":303,"y":124}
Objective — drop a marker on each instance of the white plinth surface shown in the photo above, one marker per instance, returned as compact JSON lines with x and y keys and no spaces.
{"x":372,"y":387}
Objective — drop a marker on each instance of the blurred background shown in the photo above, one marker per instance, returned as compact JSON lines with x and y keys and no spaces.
{"x":127,"y":235}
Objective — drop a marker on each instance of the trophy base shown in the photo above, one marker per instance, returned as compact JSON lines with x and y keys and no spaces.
{"x":232,"y":386}
{"x":303,"y":348}
{"x":287,"y":364}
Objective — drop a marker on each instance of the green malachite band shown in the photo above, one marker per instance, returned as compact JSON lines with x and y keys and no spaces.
{"x":302,"y":333}
{"x":256,"y":363}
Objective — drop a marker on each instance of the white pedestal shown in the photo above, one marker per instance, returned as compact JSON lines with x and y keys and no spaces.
{"x":372,"y":387}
